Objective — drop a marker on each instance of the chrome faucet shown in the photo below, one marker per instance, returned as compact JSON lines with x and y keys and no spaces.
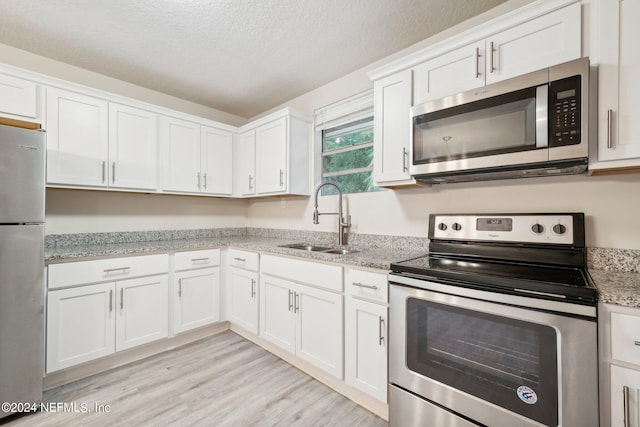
{"x":342,"y":225}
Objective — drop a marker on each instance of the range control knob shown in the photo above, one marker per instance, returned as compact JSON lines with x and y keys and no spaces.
{"x":537,"y":228}
{"x":442,"y":226}
{"x":456,"y":226}
{"x":559,"y":229}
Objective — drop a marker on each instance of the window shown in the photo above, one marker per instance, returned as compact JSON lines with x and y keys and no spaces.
{"x":347,"y":144}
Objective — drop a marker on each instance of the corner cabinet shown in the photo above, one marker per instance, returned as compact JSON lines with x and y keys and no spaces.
{"x":18,"y":98}
{"x":282,"y":143}
{"x":243,"y":289}
{"x":617,"y":36}
{"x":619,"y":330}
{"x":245,"y":162}
{"x":392,"y":130}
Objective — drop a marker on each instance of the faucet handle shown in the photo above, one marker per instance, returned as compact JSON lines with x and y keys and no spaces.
{"x":315,"y":216}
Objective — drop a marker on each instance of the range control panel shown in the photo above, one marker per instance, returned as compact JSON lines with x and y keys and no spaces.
{"x":522,"y":228}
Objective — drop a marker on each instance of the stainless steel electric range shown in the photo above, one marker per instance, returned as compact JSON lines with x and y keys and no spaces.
{"x":496,"y":326}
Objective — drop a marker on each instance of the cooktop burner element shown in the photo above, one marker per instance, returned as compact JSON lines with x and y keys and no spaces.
{"x":539,"y":255}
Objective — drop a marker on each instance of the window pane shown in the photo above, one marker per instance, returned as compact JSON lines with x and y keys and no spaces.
{"x":351,"y":183}
{"x":356,"y":159}
{"x":349,"y":135}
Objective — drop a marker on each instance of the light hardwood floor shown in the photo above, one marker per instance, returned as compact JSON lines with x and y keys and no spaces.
{"x":223,"y":380}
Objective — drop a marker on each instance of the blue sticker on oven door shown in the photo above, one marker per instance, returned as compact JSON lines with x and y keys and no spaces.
{"x":527,"y":395}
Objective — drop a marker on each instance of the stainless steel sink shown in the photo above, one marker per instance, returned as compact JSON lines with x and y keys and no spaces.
{"x":324,"y":249}
{"x":306,"y":247}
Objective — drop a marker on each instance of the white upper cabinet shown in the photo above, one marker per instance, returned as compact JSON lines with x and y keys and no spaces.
{"x":457,"y":71}
{"x":271,"y":154}
{"x":180,"y":140}
{"x":132,"y":147}
{"x":392,"y":127}
{"x":618,"y":34}
{"x":77,"y":139}
{"x":18,"y":98}
{"x":216,"y":163}
{"x":538,"y":43}
{"x":245,"y":164}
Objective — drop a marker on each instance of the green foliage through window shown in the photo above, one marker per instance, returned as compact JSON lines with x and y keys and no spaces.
{"x":347,"y":157}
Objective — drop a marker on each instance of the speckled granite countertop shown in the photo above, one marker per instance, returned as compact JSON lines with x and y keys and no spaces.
{"x":373,"y":255}
{"x":617,"y":287}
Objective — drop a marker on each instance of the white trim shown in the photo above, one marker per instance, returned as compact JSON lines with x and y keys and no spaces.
{"x":347,"y":110}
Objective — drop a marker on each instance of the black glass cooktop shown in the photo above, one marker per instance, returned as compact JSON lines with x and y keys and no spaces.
{"x":554,"y":282}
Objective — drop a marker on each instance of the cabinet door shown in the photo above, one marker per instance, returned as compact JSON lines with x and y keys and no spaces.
{"x":319,"y":326}
{"x":132,"y":148}
{"x":539,"y":43}
{"x":271,"y":157}
{"x":77,"y":139}
{"x":277,"y":321}
{"x":366,"y":347}
{"x":217,"y":161}
{"x":142,"y":311}
{"x":243,"y":292}
{"x":625,"y":397}
{"x":196,"y":298}
{"x":619,"y":86}
{"x":453,"y":72}
{"x":17,"y":97}
{"x":80,"y":325}
{"x":392,"y":127}
{"x":181,"y":155}
{"x":246,"y":164}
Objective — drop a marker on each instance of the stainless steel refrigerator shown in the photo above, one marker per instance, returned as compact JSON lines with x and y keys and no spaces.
{"x":22,"y":171}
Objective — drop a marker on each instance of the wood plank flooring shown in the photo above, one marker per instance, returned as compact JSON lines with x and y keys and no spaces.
{"x":223,"y":380}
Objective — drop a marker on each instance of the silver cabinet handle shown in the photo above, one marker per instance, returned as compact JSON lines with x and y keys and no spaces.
{"x":121,"y":298}
{"x":253,"y":288}
{"x":180,"y":287}
{"x":199,"y":259}
{"x":625,"y":406}
{"x":204,"y":177}
{"x":491,"y":50}
{"x":250,"y":182}
{"x":636,"y":343}
{"x":199,"y":186}
{"x":362,"y":285}
{"x":240,"y":259}
{"x":121,"y":269}
{"x":290,"y":301}
{"x":609,"y":128}
{"x":405,"y":156}
{"x":110,"y":300}
{"x":113,"y":172}
{"x":477,"y":60}
{"x":104,"y":170}
{"x":381,"y":330}
{"x":281,"y":177}
{"x":297,"y":300}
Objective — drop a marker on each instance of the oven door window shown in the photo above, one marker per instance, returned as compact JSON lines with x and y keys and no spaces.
{"x":508,"y":362}
{"x":498,"y":125}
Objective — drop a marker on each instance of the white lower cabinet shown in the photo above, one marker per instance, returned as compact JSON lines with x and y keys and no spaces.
{"x":625,"y":397}
{"x":366,"y":344}
{"x":89,"y":322}
{"x":196,"y":291}
{"x":243,"y":291}
{"x":303,"y":320}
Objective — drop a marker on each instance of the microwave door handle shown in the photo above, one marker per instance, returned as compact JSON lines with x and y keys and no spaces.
{"x":542,"y":116}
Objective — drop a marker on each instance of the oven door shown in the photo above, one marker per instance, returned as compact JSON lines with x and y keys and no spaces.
{"x":495,"y":364}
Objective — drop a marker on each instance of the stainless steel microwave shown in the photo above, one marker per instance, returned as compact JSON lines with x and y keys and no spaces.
{"x":532,"y":125}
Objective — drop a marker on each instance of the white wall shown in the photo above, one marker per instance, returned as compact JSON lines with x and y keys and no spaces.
{"x":79,"y":211}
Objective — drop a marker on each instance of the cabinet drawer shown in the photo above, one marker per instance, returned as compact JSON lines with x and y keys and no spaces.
{"x":101,"y":270}
{"x":307,"y":272}
{"x":243,"y":259}
{"x":625,"y":338}
{"x":197,"y":259}
{"x":367,"y":284}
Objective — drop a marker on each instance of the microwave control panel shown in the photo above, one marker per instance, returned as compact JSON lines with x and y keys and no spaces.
{"x":564,"y":111}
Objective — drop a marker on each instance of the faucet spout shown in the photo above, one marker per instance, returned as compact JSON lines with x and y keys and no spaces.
{"x":342,"y":224}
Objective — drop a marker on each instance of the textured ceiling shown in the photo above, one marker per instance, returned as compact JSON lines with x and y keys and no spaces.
{"x":239,"y":56}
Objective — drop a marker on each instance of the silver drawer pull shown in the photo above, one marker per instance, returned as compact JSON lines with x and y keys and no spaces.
{"x":121,"y":269}
{"x":199,"y":259}
{"x":240,"y":259}
{"x":362,"y":285}
{"x":637,"y":343}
